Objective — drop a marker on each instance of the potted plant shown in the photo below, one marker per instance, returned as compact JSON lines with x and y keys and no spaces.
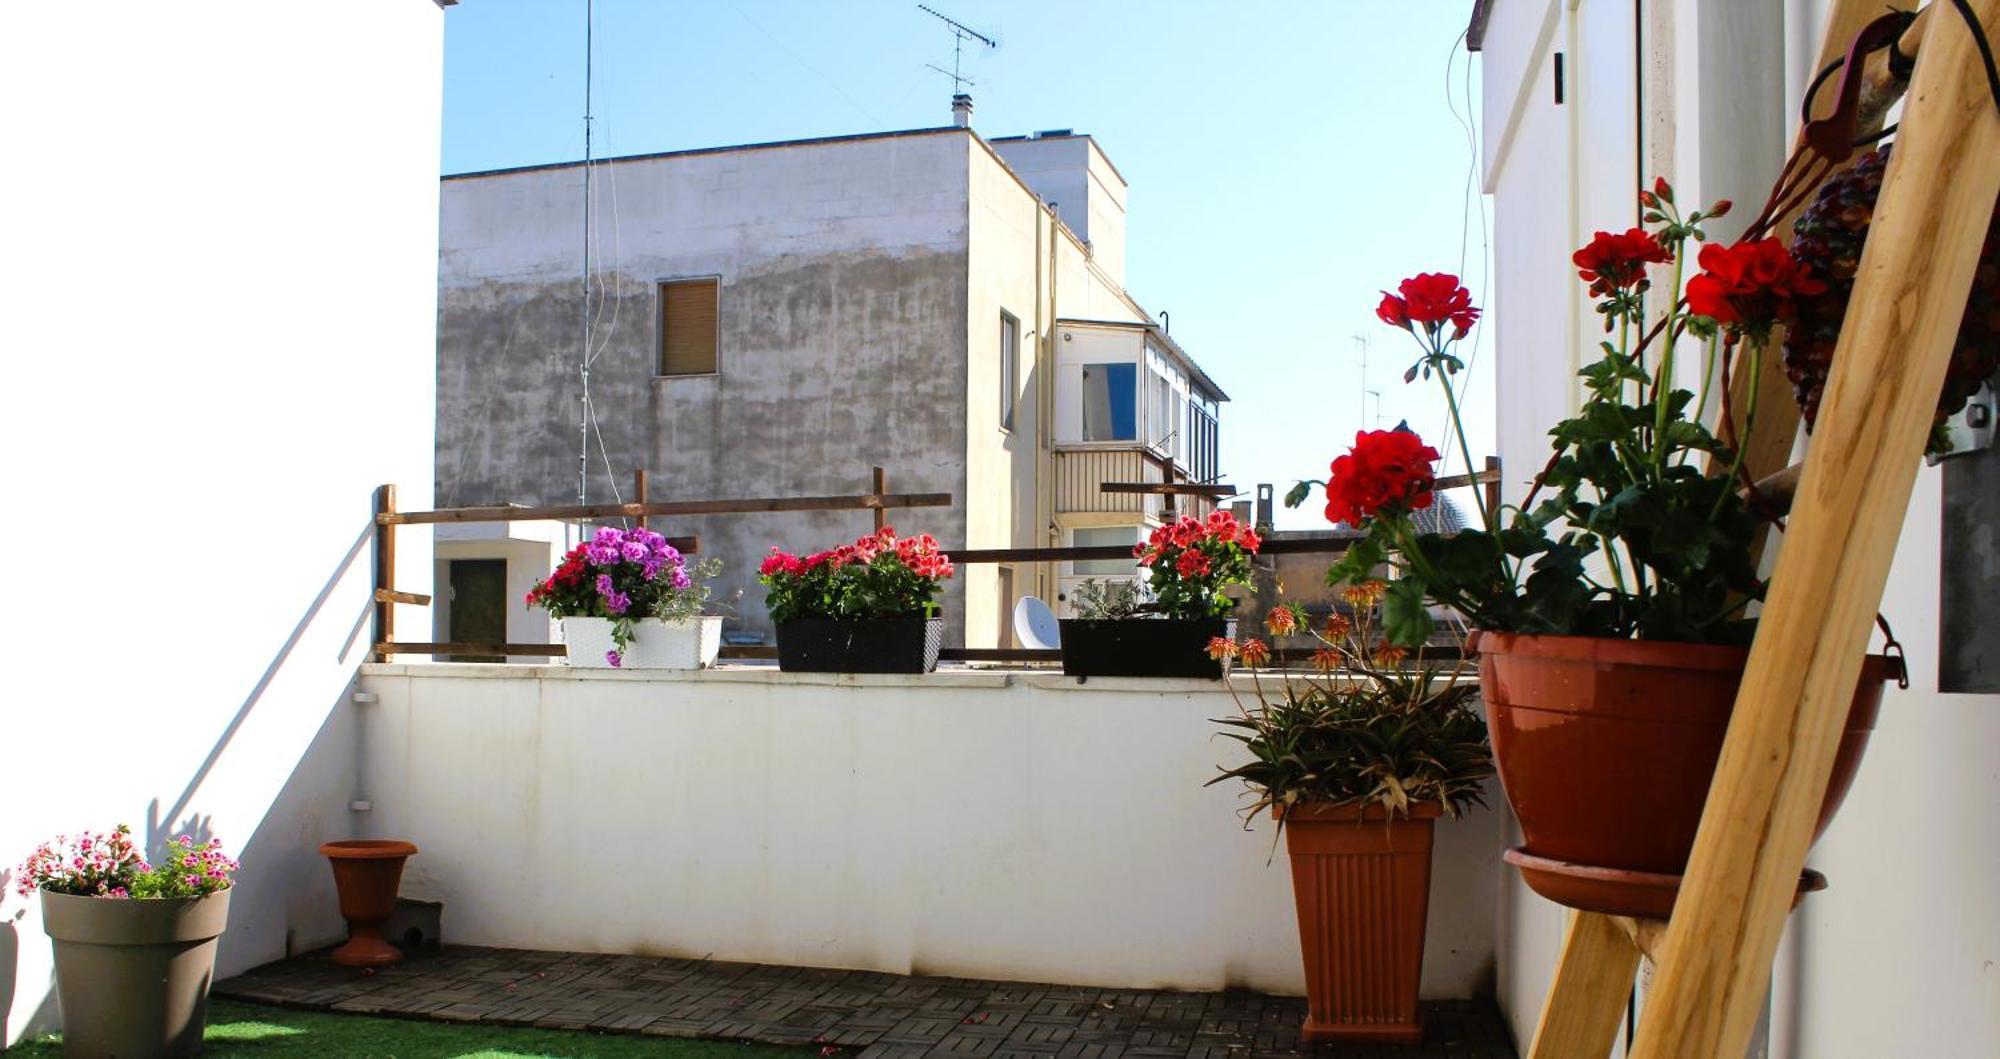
{"x":134,"y":941}
{"x":1357,"y":764}
{"x":628,"y":599}
{"x":366,"y":875}
{"x":1189,"y":563}
{"x":1613,"y":632}
{"x":866,"y":607}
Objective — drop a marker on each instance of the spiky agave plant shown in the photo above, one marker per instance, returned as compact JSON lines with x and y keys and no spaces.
{"x":1830,"y":234}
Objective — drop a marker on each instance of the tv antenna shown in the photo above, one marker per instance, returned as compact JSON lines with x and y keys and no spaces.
{"x":960,"y":34}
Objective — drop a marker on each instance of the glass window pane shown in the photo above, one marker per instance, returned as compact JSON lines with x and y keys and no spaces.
{"x":1096,"y":537}
{"x":1110,"y":402}
{"x":1010,"y":348}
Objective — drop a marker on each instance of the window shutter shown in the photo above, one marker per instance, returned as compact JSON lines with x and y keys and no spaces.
{"x":688,"y":327}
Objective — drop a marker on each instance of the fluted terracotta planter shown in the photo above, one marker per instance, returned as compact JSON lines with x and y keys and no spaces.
{"x":1362,"y":883}
{"x":133,"y":974}
{"x":366,"y":872}
{"x":1606,"y":749}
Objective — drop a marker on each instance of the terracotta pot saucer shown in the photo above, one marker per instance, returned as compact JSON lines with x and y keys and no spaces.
{"x":1614,"y":891}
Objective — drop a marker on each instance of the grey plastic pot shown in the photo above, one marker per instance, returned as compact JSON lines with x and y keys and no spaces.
{"x":133,"y":975}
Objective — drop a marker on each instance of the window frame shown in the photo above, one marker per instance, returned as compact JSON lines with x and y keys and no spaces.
{"x":1010,"y":369}
{"x":660,"y":325}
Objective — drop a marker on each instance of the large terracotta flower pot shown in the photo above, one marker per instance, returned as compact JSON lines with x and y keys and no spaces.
{"x":1362,"y":883}
{"x":366,"y":872}
{"x":132,"y":975}
{"x":1606,"y":749}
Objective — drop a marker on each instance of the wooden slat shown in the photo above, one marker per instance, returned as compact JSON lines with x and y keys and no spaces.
{"x":389,"y":595}
{"x":385,"y":565}
{"x":879,"y":486}
{"x":1895,"y":345}
{"x":571,"y":512}
{"x":1167,"y":489}
{"x":1587,"y":997}
{"x":549,"y":650}
{"x":1300,"y":546}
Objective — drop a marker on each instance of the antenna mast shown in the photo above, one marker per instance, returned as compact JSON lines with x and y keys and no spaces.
{"x":583,"y":355}
{"x":960,"y":33}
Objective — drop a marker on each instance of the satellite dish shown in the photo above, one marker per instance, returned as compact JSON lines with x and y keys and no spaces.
{"x":1035,"y":625}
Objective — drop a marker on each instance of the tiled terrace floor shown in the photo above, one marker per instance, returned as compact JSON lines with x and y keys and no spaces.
{"x":856,"y":1012}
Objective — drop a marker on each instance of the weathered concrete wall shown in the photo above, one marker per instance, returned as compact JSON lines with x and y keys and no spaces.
{"x":842,"y":269}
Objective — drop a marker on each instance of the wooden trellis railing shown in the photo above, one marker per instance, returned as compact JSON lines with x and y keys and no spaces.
{"x":1713,"y":958}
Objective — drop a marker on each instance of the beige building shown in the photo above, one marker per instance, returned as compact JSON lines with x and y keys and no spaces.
{"x":774,"y":319}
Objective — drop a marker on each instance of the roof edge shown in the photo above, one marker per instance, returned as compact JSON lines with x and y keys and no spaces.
{"x":695,"y":151}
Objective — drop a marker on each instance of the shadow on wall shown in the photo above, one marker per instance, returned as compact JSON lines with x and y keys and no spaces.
{"x":327,"y":765}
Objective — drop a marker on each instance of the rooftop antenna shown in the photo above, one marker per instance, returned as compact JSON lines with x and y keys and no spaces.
{"x":583,"y":354}
{"x":1361,"y":340}
{"x":960,"y":34}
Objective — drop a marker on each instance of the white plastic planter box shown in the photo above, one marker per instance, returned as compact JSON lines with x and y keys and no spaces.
{"x":691,"y":643}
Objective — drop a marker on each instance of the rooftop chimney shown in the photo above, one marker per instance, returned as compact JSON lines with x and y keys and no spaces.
{"x":961,"y":110}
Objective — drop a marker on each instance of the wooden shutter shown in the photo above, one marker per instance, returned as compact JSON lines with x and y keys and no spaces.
{"x":688,"y":327}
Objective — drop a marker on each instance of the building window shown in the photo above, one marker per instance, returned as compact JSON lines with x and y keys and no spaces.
{"x":1111,"y":402}
{"x":688,"y":327}
{"x":1202,"y":462}
{"x":1010,"y":367}
{"x":1103,"y":536}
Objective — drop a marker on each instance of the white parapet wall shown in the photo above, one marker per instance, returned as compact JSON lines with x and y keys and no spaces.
{"x":1002,"y":825}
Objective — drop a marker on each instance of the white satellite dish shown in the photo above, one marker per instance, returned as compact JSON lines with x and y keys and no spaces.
{"x":1035,"y":625}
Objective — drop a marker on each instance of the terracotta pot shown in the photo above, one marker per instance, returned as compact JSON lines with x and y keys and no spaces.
{"x":1362,"y":883}
{"x":366,"y":872}
{"x":1606,"y":749}
{"x":133,"y":975}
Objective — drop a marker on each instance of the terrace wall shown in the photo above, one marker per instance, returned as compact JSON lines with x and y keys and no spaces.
{"x":1014,"y":826}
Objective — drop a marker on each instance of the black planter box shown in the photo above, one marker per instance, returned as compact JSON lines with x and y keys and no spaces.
{"x":876,"y":645}
{"x":1142,"y":647}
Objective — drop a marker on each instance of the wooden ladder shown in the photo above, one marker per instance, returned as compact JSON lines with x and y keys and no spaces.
{"x":1713,"y":958}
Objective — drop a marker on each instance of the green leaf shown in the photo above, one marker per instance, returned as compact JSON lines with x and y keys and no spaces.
{"x":1405,"y":620}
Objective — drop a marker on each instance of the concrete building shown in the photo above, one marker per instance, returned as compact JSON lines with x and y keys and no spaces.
{"x":1898,"y":956}
{"x":775,"y":319}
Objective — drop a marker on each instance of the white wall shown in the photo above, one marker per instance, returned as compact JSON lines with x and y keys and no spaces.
{"x":964,"y":823}
{"x":221,"y":222}
{"x":1898,"y":957}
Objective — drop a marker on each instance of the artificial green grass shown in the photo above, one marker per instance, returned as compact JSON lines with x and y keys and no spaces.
{"x":253,"y":1029}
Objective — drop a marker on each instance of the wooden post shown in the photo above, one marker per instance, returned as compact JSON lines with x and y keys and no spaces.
{"x":1492,"y":488}
{"x":1909,"y":296}
{"x":880,"y":482}
{"x":639,"y":491}
{"x":1587,"y":998}
{"x":385,"y":569}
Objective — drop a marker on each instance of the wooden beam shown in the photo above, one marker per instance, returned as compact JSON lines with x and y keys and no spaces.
{"x":549,"y":650}
{"x":639,"y":493}
{"x":390,"y":595}
{"x":1296,"y":546}
{"x":1168,"y":489}
{"x":385,"y":566}
{"x":879,"y":486}
{"x":1895,"y":345}
{"x":571,"y":512}
{"x":1587,"y":997}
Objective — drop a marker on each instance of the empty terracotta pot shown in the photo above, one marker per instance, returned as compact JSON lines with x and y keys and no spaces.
{"x":1606,"y":749}
{"x":367,"y":872}
{"x":1362,"y":883}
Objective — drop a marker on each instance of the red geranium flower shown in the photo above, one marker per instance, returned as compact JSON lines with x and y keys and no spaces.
{"x":1385,"y":469}
{"x":1430,"y":300}
{"x":1749,"y":285}
{"x":1614,"y":262}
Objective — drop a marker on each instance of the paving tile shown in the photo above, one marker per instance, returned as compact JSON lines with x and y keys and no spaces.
{"x":873,"y":1014}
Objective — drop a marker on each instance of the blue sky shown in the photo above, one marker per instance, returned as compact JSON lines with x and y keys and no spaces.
{"x":1286,"y":160}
